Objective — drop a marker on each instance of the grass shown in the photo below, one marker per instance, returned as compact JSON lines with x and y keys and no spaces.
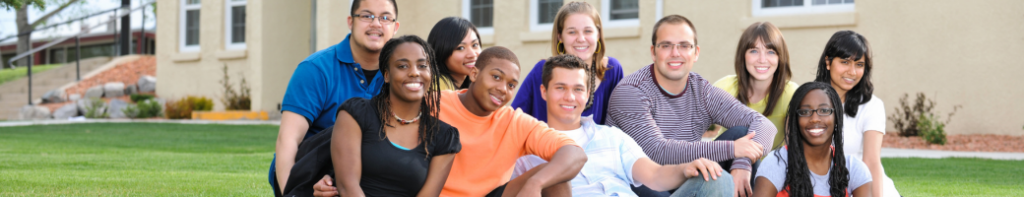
{"x":7,"y":74}
{"x":164,"y":159}
{"x":135,"y":159}
{"x":956,"y":176}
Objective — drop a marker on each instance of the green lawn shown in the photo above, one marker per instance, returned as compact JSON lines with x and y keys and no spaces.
{"x":137,"y":159}
{"x":151,"y":159}
{"x":7,"y":74}
{"x":956,"y":176}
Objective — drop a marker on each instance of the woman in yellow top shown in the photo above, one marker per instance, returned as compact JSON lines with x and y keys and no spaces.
{"x":456,"y":45}
{"x":762,"y":74}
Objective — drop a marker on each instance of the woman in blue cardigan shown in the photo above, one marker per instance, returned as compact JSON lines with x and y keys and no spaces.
{"x":577,"y":31}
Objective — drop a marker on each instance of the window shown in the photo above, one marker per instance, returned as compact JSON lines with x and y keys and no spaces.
{"x":481,"y":13}
{"x":189,"y":26}
{"x":542,"y":14}
{"x":793,"y":7}
{"x":620,"y":12}
{"x":234,"y":21}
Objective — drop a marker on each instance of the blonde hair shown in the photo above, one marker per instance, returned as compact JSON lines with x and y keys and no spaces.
{"x":597,"y":60}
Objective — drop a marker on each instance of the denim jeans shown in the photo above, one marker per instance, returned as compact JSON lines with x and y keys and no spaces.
{"x":696,"y":186}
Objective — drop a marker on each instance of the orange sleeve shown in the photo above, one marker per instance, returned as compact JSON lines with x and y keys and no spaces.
{"x":541,"y":140}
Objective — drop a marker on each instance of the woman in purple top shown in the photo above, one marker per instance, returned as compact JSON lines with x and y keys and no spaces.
{"x":577,"y":31}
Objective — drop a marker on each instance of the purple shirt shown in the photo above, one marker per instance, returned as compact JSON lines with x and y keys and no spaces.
{"x":529,"y":100}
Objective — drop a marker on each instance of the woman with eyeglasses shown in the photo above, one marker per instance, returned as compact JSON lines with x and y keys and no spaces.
{"x":577,"y":31}
{"x":846,"y":65}
{"x":809,"y":164}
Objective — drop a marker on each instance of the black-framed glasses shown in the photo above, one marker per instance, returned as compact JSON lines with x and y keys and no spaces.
{"x":384,"y":20}
{"x":820,"y":111}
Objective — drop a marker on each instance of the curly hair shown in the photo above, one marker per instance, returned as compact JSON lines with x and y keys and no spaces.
{"x":429,"y":106}
{"x":798,"y":175}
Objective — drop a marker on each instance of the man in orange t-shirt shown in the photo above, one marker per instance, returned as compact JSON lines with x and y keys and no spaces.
{"x":493,"y":136}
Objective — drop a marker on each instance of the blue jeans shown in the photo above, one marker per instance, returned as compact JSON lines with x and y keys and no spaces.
{"x":696,"y":186}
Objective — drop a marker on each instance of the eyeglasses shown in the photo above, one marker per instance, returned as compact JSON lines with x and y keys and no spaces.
{"x":685,"y":47}
{"x":820,"y":111}
{"x":384,"y":20}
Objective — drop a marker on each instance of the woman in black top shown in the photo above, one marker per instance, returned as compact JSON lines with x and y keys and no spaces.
{"x":393,"y":144}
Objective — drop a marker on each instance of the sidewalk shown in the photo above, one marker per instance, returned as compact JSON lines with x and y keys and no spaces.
{"x":905,"y":153}
{"x":56,"y":122}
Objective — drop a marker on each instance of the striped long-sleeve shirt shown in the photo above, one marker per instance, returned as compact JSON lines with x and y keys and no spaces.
{"x":669,"y":127}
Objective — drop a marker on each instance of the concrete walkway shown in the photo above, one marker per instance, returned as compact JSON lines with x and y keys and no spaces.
{"x":906,"y":153}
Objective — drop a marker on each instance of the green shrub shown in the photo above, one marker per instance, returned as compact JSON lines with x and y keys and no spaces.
{"x":144,"y":109}
{"x":136,"y":98}
{"x":200,"y":103}
{"x":932,"y":130}
{"x":235,"y":100}
{"x":96,"y":109}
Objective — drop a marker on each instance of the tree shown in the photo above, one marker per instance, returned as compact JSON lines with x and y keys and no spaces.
{"x":24,"y":26}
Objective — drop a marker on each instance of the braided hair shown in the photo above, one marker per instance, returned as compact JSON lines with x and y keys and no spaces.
{"x":798,"y":175}
{"x":429,"y":106}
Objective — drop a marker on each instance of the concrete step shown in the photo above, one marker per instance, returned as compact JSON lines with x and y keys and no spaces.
{"x":14,"y":94}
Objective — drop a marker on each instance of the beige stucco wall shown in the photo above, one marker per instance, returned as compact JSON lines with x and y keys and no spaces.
{"x":959,"y":53}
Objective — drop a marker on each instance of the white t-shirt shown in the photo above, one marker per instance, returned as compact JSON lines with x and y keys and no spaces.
{"x":870,"y":116}
{"x":774,"y":169}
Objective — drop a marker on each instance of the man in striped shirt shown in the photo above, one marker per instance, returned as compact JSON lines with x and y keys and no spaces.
{"x":666,"y":109}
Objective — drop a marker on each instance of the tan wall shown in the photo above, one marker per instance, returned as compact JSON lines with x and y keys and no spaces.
{"x":276,"y":43}
{"x":959,"y":53}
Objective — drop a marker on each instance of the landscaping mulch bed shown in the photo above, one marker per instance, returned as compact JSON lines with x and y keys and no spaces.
{"x":127,"y":73}
{"x":972,"y":142}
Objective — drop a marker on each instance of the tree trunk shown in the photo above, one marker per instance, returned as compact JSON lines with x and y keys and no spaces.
{"x":24,"y":41}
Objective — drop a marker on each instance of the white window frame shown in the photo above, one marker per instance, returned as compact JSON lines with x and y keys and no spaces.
{"x":534,"y":11}
{"x":228,"y":28}
{"x":606,"y":14}
{"x":182,"y":20}
{"x":807,"y":8}
{"x":466,"y":9}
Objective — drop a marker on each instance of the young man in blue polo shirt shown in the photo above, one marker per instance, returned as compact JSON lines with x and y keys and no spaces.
{"x":329,"y":77}
{"x":615,"y":161}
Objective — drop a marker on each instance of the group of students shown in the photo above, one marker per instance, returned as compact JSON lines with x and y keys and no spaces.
{"x":382,"y":116}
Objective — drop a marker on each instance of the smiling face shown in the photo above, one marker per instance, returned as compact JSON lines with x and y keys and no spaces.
{"x":494,"y":84}
{"x":566,"y":95}
{"x":816,"y":128}
{"x":674,"y":51}
{"x":463,"y":60}
{"x":371,"y":36}
{"x":845,"y":73}
{"x":761,"y":62}
{"x":408,"y":73}
{"x":579,"y":36}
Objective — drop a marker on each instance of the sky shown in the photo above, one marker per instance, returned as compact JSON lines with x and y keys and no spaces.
{"x":8,"y":27}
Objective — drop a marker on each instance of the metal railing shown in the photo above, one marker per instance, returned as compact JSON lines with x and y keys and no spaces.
{"x":118,"y":13}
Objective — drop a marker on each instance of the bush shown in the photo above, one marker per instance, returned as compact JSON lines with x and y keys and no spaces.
{"x":919,"y":120}
{"x":136,"y":98}
{"x":235,"y":100}
{"x":96,"y":109}
{"x":144,"y":109}
{"x":932,"y":130}
{"x":182,"y":108}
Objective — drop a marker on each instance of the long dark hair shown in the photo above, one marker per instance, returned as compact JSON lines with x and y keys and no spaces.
{"x":446,"y":35}
{"x":772,"y":38}
{"x":798,"y":175}
{"x":845,"y":44}
{"x":429,"y":124}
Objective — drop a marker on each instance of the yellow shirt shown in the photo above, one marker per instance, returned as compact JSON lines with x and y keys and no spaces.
{"x":778,"y":117}
{"x":446,"y":84}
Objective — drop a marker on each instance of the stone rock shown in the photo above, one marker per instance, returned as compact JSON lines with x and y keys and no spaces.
{"x":113,"y":89}
{"x":54,"y":96}
{"x":147,"y":84}
{"x":116,"y":108}
{"x":34,"y":112}
{"x":131,"y":89}
{"x":84,"y":104}
{"x":74,"y":97}
{"x":94,"y":92}
{"x":65,"y":112}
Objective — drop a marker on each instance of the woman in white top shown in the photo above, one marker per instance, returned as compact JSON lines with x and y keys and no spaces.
{"x":846,"y":64}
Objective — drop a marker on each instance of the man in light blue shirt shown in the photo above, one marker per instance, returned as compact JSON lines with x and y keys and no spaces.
{"x":614,"y":159}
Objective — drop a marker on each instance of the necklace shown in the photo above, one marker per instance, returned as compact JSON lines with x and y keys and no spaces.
{"x":405,"y":122}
